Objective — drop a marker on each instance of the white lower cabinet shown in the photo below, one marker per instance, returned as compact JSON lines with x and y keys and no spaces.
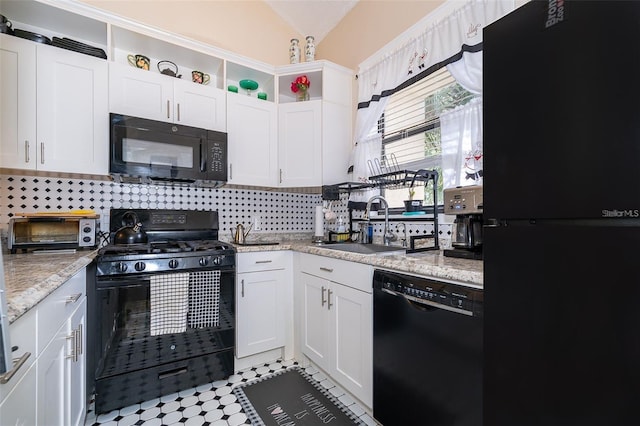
{"x":50,"y":388}
{"x":61,"y":365}
{"x":264,"y":302}
{"x":22,"y":386}
{"x":336,"y":328}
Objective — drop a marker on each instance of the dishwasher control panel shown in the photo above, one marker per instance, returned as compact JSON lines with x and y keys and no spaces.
{"x":431,"y":292}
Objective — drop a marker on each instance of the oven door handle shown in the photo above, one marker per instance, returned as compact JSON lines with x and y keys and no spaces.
{"x":171,"y":373}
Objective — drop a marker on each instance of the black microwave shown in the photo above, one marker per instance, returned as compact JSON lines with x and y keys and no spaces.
{"x":148,"y":151}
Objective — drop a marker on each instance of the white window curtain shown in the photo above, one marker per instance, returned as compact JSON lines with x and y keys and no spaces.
{"x":368,"y":150}
{"x":440,"y":44}
{"x":461,"y":138}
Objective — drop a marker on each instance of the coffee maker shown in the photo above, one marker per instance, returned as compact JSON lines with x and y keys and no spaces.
{"x":466,"y":234}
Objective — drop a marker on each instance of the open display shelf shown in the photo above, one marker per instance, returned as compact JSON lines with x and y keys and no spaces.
{"x":394,"y":180}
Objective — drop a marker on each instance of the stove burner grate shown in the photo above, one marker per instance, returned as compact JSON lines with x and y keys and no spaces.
{"x":157,"y":247}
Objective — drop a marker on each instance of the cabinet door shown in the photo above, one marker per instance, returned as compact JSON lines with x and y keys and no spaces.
{"x":314,"y":333}
{"x":77,"y":367}
{"x":300,"y":144}
{"x":72,"y":111}
{"x":261,"y":312}
{"x":336,"y":142}
{"x":140,"y":93}
{"x":351,"y":328}
{"x":17,"y":103}
{"x":200,"y":106}
{"x":252,"y":135}
{"x":18,"y":407}
{"x":52,"y":379}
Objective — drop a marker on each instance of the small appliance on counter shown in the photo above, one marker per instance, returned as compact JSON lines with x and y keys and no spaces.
{"x":74,"y":229}
{"x":466,"y":234}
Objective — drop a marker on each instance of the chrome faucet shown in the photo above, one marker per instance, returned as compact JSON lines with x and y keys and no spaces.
{"x":388,"y":236}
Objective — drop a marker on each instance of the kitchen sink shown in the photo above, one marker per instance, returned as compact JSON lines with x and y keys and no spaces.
{"x":365,"y":248}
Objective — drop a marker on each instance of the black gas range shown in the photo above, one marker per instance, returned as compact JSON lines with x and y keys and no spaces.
{"x":177,"y":240}
{"x":161,"y":312}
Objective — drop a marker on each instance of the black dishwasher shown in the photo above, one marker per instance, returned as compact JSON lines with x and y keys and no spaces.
{"x":427,"y":351}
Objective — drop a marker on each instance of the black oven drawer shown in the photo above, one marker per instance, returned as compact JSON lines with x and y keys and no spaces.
{"x":143,"y":385}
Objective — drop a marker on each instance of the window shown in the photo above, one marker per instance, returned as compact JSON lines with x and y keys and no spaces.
{"x":410,"y":128}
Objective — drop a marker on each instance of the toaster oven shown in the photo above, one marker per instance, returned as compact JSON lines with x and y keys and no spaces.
{"x":52,"y":232}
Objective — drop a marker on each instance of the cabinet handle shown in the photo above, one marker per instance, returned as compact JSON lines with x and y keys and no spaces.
{"x":17,"y":363}
{"x":41,"y":152}
{"x":178,"y":106}
{"x":322,"y":268}
{"x":280,"y":175}
{"x":230,"y":171}
{"x":329,"y":304}
{"x":80,"y":341}
{"x":26,"y":152}
{"x":242,"y":291}
{"x":73,"y":298}
{"x":264,"y":261}
{"x":73,"y":356}
{"x":168,"y":116}
{"x":323,"y":299}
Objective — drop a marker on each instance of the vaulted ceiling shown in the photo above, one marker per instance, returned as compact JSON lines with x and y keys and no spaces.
{"x":312,"y":17}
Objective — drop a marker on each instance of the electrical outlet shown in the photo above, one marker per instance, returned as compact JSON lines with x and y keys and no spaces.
{"x":257,"y":223}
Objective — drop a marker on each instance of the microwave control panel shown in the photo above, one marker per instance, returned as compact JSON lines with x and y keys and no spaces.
{"x":218,"y":155}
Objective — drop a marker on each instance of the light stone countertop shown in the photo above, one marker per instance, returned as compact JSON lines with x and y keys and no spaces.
{"x":30,"y":277}
{"x":428,"y":263}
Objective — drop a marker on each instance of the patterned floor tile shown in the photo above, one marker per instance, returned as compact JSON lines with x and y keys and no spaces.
{"x":210,"y":404}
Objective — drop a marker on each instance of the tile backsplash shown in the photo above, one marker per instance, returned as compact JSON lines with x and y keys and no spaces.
{"x":278,"y":212}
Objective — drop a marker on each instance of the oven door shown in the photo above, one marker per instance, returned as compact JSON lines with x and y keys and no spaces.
{"x":157,"y":150}
{"x":161,"y":333}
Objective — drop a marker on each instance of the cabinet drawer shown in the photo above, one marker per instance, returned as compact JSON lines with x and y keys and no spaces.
{"x":56,"y":308}
{"x":352,"y":274}
{"x":22,"y":333}
{"x":263,"y":261}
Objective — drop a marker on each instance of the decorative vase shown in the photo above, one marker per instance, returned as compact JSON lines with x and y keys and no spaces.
{"x":294,"y":51}
{"x":310,"y":49}
{"x":302,"y":95}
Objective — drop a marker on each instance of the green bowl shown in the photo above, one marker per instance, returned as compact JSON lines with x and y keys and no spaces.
{"x":232,"y":88}
{"x":248,"y":84}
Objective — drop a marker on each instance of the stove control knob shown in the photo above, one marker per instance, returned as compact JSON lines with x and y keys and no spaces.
{"x":139,"y":266}
{"x":204,"y":261}
{"x":217,"y":260}
{"x":121,"y":267}
{"x":173,"y":264}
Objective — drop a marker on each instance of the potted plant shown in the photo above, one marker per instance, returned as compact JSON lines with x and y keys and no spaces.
{"x":412,"y":205}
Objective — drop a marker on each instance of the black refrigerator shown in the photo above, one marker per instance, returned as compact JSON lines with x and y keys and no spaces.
{"x":561,"y":208}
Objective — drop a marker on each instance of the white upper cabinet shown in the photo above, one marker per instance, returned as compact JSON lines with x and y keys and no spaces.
{"x":17,"y":103}
{"x":55,"y":103}
{"x":72,"y":112}
{"x":54,"y":108}
{"x":315,"y":136}
{"x":300,"y":144}
{"x":155,"y":96}
{"x":252,"y":141}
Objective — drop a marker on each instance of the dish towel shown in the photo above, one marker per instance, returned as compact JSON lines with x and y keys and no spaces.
{"x":169,"y":303}
{"x":204,"y":299}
